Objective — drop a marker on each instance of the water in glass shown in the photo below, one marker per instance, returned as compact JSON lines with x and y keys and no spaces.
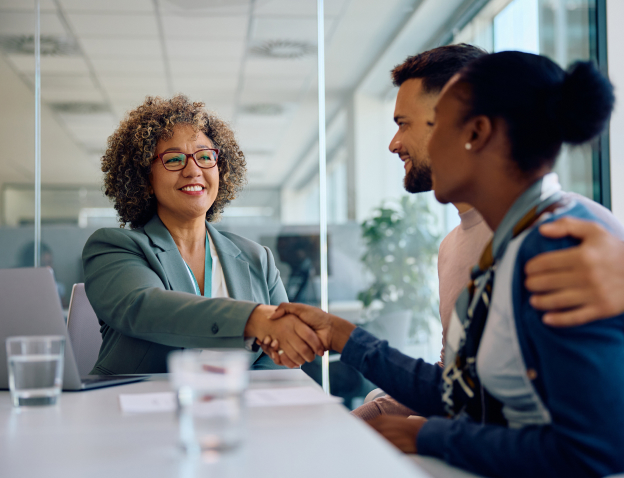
{"x":35,"y":379}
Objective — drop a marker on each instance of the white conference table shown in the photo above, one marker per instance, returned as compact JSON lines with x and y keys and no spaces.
{"x":87,"y":435}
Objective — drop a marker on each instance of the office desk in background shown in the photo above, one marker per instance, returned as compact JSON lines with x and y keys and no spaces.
{"x":87,"y":435}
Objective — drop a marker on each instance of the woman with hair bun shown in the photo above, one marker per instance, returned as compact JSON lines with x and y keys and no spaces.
{"x":552,"y":398}
{"x":516,"y":397}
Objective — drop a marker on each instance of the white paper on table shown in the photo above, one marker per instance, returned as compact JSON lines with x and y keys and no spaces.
{"x":258,"y":397}
{"x":147,"y":402}
{"x":288,"y":397}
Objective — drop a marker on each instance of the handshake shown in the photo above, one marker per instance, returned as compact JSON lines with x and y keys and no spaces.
{"x":293,"y":334}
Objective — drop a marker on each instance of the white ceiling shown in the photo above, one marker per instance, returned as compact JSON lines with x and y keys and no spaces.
{"x":128,"y":49}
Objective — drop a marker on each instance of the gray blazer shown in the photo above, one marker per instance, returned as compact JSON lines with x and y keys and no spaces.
{"x":145,"y":301}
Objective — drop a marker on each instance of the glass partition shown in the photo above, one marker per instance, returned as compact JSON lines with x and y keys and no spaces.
{"x":253,"y":63}
{"x":17,"y":133}
{"x":383,"y":240}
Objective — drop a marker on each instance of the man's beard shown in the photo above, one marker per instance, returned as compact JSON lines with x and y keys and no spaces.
{"x":418,"y":178}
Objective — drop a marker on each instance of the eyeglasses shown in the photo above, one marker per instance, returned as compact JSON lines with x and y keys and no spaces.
{"x":176,"y":161}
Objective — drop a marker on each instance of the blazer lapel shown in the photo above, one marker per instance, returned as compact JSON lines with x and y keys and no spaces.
{"x":169,"y":256}
{"x":235,"y":269}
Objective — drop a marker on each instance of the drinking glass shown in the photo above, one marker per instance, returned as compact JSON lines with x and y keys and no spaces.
{"x":35,"y":369}
{"x":210,"y":386}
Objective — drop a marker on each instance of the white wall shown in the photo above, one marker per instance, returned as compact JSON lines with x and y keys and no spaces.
{"x":615,"y":46}
{"x":378,"y":172}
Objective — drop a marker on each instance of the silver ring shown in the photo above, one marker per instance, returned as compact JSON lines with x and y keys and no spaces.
{"x":280,"y":352}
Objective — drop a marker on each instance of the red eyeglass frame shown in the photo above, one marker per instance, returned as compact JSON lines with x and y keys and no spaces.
{"x":189,"y":155}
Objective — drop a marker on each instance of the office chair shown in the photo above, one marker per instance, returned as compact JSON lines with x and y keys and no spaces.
{"x":84,"y":330}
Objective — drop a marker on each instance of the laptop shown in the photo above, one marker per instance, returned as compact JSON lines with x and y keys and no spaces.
{"x":30,"y":305}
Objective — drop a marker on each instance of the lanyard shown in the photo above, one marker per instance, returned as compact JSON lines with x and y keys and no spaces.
{"x":207,"y":273}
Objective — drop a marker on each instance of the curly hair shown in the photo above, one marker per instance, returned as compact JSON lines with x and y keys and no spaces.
{"x":127,"y":162}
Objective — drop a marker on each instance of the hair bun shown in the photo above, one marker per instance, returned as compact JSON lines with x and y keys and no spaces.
{"x":586,"y":103}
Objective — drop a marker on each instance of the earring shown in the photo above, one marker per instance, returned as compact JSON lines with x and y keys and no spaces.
{"x":468,"y":146}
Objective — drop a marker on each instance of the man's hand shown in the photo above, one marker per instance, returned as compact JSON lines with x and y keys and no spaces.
{"x":400,"y":431}
{"x":582,"y":283}
{"x":298,"y":342}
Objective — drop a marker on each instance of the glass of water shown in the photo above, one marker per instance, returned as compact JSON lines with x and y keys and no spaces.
{"x":35,"y":369}
{"x":210,"y":386}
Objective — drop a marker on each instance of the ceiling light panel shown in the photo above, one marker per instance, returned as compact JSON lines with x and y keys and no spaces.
{"x":73,"y":108}
{"x":107,"y":6}
{"x":51,"y":45}
{"x":205,"y":28}
{"x":283,"y":49}
{"x":262,"y":109}
{"x":107,"y":25}
{"x":122,"y":47}
{"x":24,"y":24}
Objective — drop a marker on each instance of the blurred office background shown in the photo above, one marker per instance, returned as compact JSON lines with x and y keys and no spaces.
{"x":254,"y":62}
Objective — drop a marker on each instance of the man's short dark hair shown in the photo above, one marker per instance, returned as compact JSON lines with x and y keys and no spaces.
{"x":436,"y":67}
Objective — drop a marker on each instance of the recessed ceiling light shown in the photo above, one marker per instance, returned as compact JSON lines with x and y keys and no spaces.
{"x":50,"y":45}
{"x":286,"y":49}
{"x":263,"y":109}
{"x":80,"y":108}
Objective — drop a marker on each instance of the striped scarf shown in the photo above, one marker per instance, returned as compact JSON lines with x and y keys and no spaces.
{"x":462,"y":392}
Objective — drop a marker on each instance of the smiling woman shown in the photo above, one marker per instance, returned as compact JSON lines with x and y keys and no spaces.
{"x":184,"y":189}
{"x":128,"y":169}
{"x":168,"y":281}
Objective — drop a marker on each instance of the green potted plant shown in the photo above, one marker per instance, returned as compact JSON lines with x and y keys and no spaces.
{"x":401,"y":255}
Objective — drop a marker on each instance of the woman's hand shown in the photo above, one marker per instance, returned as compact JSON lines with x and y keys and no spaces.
{"x":579,"y":284}
{"x":298,"y":342}
{"x":270,"y":346}
{"x":400,"y":431}
{"x":333,"y":331}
